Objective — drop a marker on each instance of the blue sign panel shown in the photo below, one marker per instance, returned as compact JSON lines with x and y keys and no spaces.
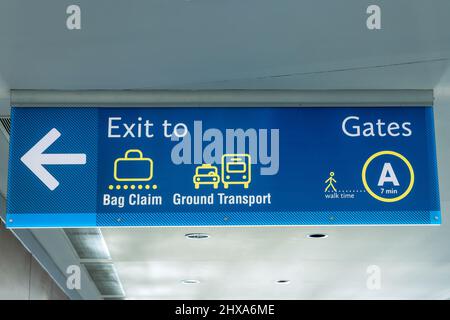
{"x":125,"y":166}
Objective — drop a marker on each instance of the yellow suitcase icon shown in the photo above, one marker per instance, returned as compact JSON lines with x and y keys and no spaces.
{"x":133,"y":167}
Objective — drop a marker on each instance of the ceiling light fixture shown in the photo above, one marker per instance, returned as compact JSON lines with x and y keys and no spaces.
{"x":190,"y":281}
{"x":284,"y":281}
{"x":197,"y":235}
{"x":317,"y":235}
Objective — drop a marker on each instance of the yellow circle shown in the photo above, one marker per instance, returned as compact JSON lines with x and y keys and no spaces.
{"x":110,"y":187}
{"x":155,"y":187}
{"x":140,"y":186}
{"x":125,"y":187}
{"x":147,"y":187}
{"x":118,"y":187}
{"x":132,"y":187}
{"x":401,"y":157}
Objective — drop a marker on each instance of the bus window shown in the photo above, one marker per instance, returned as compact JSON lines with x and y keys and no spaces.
{"x":236,"y":167}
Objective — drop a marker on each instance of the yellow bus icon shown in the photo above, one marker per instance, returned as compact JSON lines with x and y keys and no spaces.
{"x":236,"y":169}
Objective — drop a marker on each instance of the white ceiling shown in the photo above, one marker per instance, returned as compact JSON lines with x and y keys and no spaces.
{"x":144,"y":44}
{"x":244,"y":263}
{"x":255,"y":44}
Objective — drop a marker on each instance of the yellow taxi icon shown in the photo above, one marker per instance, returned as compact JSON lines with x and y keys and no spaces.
{"x":206,"y":174}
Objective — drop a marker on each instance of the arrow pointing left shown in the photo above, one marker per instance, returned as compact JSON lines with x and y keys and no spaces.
{"x":35,"y":158}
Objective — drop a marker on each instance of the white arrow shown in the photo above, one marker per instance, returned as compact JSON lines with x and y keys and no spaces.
{"x":34,"y":159}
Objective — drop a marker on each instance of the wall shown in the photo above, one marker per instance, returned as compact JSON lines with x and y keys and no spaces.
{"x":442,"y":123}
{"x":21,"y":276}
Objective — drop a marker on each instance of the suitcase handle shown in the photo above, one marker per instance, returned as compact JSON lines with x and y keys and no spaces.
{"x":139,"y":152}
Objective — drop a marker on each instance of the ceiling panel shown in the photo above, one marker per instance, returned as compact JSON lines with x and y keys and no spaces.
{"x":245,"y":263}
{"x":214,"y":44}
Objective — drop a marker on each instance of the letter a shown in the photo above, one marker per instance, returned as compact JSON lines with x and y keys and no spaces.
{"x":374,"y":280}
{"x":73,"y":21}
{"x":388,"y":175}
{"x":74,"y":277}
{"x":374,"y":20}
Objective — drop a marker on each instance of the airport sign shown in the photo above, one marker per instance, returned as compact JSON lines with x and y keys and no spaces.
{"x":219,"y":166}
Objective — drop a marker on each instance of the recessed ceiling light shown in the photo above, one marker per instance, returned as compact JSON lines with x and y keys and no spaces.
{"x":197,"y":235}
{"x":284,"y":281}
{"x":317,"y":235}
{"x":190,"y":281}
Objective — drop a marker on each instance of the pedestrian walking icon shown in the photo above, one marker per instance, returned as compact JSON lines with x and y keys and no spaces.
{"x":330,"y":182}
